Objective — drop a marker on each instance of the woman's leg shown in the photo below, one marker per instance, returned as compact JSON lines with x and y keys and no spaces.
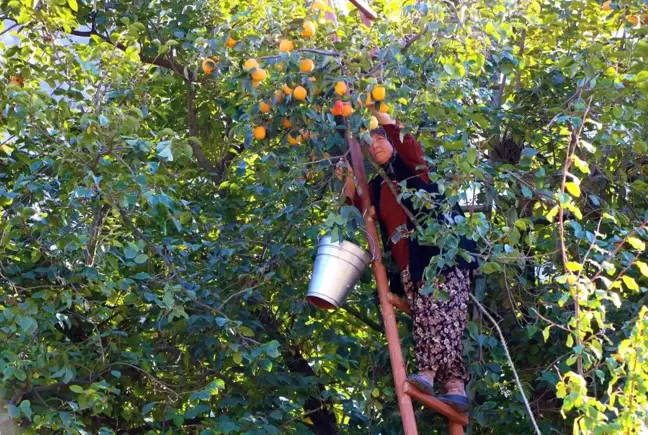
{"x":439,"y":325}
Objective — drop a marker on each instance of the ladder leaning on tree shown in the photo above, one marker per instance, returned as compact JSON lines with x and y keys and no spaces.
{"x":404,"y":390}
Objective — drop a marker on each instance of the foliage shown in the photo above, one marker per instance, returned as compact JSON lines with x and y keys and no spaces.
{"x":154,"y":256}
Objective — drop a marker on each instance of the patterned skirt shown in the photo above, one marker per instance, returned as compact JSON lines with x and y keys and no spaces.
{"x":439,"y":324}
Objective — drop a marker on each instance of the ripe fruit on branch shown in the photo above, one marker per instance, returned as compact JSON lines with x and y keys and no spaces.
{"x":319,"y":5}
{"x":286,"y":123}
{"x":259,"y":132}
{"x":340,"y":88}
{"x":287,"y":90}
{"x":300,"y":93}
{"x":365,"y":99}
{"x":209,"y":65}
{"x":373,"y":123}
{"x":378,"y":93}
{"x":231,"y":42}
{"x":306,"y":65}
{"x":294,"y":140}
{"x":286,"y":46}
{"x":338,"y":108}
{"x":634,"y":19}
{"x":309,"y":29}
{"x":264,"y":107}
{"x":251,"y":63}
{"x":383,"y":108}
{"x":259,"y":74}
{"x":347,"y":110}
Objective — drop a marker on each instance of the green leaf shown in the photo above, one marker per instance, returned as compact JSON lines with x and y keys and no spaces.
{"x":130,"y":252}
{"x":238,"y":358}
{"x":12,"y":410}
{"x":450,"y":69}
{"x":643,"y":267}
{"x":573,"y":266}
{"x":580,"y":164}
{"x":573,"y":189}
{"x":491,"y":267}
{"x":73,"y":5}
{"x":148,"y":407}
{"x":164,"y":150}
{"x":637,"y":243}
{"x":471,"y":156}
{"x":25,"y":407}
{"x":630,"y":283}
{"x":141,"y":259}
{"x":545,"y":333}
{"x":247,"y":331}
{"x":552,"y":214}
{"x":27,"y":324}
{"x":272,"y":349}
{"x":76,"y":388}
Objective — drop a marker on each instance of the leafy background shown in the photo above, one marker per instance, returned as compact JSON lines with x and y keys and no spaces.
{"x":154,"y":257}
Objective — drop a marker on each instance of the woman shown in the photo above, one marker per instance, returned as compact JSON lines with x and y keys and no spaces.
{"x":438,"y":324}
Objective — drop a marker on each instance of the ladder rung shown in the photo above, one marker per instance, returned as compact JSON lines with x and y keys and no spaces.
{"x":399,"y":303}
{"x":435,"y":404}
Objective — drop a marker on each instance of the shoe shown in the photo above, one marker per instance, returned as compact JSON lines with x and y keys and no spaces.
{"x":422,"y":382}
{"x":456,"y":401}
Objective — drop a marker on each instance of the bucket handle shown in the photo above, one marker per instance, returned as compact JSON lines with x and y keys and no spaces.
{"x":374,"y":256}
{"x":374,"y":247}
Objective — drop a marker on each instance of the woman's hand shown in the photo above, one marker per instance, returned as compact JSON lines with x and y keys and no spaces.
{"x":344,"y":171}
{"x":383,"y":118}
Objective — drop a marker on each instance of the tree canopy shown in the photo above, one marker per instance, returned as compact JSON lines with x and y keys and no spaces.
{"x":161,"y":198}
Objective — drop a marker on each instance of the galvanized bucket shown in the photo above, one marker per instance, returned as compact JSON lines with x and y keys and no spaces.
{"x":338,"y":267}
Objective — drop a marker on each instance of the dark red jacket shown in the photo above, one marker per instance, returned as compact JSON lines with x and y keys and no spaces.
{"x":391,"y":214}
{"x":408,"y":164}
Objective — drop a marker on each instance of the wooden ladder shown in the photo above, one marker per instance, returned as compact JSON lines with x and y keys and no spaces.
{"x":404,"y":390}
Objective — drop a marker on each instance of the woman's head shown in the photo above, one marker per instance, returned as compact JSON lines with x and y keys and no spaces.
{"x":381,"y":149}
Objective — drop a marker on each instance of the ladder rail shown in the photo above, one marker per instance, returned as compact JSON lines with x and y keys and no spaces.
{"x":388,"y":301}
{"x":380,"y":274}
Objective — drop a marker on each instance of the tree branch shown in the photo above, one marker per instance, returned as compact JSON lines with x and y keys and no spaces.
{"x":510,"y":362}
{"x":192,"y":124}
{"x":163,"y":62}
{"x":364,"y":319}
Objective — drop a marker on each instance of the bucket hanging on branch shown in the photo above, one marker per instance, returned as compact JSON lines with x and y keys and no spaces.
{"x":338,"y":267}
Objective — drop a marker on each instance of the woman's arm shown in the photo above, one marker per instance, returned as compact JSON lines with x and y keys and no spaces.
{"x":345,"y":172}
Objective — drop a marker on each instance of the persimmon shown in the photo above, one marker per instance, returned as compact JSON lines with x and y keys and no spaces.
{"x":306,"y":65}
{"x":286,"y":46}
{"x":378,"y":93}
{"x":251,"y":63}
{"x":259,"y":132}
{"x":259,"y":74}
{"x":340,"y":88}
{"x":308,"y":29}
{"x":300,"y":93}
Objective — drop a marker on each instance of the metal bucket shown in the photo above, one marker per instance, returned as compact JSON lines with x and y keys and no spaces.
{"x":338,"y":267}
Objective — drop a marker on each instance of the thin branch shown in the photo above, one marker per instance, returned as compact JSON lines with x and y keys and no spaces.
{"x":9,"y":29}
{"x":305,"y":50}
{"x":619,"y":246}
{"x":158,"y":61}
{"x":549,"y":321}
{"x":510,"y":362}
{"x":364,"y":319}
{"x":571,"y":148}
{"x":518,"y":75}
